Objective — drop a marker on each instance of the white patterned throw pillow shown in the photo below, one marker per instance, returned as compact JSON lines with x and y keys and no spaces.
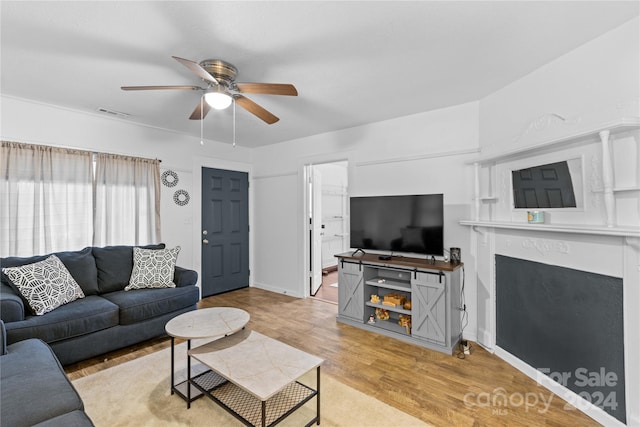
{"x":153,"y":268}
{"x":46,"y":285}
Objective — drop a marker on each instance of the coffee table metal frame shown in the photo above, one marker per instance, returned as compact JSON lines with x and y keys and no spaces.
{"x":215,"y":323}
{"x":246,"y":406}
{"x":274,"y":409}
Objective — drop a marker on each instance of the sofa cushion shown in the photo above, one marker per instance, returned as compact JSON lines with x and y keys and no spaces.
{"x":80,"y":317}
{"x":114,"y":264}
{"x":46,"y":285}
{"x":80,"y":264}
{"x":34,"y":386}
{"x":142,"y":304}
{"x":153,"y":268}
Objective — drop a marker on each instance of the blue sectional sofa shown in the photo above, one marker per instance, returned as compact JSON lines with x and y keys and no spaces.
{"x":108,"y":317}
{"x":34,"y":390}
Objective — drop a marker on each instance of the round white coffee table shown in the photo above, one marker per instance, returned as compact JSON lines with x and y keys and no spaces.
{"x":215,"y":323}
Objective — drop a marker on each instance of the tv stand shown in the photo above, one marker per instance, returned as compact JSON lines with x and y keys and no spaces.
{"x":433,"y":290}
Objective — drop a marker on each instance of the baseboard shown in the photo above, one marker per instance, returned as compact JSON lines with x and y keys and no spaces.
{"x":484,"y":339}
{"x":568,"y":395}
{"x":277,"y":290}
{"x":469,"y":336}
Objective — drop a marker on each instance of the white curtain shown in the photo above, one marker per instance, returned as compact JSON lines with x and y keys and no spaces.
{"x":46,"y":199}
{"x":127,"y":200}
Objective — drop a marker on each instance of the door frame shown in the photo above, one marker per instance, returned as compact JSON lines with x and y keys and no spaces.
{"x":205,"y":162}
{"x":315,"y":229}
{"x":305,"y":248}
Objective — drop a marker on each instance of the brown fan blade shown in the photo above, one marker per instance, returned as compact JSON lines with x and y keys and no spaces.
{"x":255,"y":109}
{"x":196,"y":69}
{"x":268,"y":88}
{"x":161,"y":88}
{"x":201,"y":110}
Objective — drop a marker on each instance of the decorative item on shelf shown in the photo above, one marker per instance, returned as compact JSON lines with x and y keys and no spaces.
{"x":169,"y":178}
{"x":382,"y":314}
{"x":375,"y":299}
{"x":181,"y":197}
{"x":381,"y":280}
{"x":405,"y":320}
{"x":535,"y":217}
{"x":454,"y":253}
{"x":407,"y":305}
{"x":371,"y":319}
{"x":394,"y":300}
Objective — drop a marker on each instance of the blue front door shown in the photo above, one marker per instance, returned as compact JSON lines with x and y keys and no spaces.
{"x":225,"y":231}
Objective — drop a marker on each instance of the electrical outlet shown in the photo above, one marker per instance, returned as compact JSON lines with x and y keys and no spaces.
{"x":466,"y":348}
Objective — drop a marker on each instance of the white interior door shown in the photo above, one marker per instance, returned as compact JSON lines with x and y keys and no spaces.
{"x":316,"y":230}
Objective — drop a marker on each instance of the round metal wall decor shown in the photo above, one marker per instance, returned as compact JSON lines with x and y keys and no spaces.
{"x":169,"y":178}
{"x":181,"y":197}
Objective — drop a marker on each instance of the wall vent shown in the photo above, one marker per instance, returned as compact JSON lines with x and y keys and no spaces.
{"x":114,"y":113}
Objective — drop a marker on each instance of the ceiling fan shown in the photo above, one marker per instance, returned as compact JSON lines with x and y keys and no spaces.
{"x":222,"y":89}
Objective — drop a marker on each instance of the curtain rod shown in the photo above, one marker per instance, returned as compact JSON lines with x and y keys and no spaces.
{"x":76,"y":149}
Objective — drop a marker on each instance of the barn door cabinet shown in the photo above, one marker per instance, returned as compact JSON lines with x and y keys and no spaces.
{"x":350,"y":292}
{"x":433,"y":291}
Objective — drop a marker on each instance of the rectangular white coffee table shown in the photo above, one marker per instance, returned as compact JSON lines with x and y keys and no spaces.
{"x":254,"y":377}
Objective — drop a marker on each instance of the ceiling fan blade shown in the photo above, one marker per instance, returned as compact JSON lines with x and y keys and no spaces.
{"x":255,"y":109}
{"x":196,"y":69}
{"x":200,"y":111}
{"x":161,"y":88}
{"x":268,"y":88}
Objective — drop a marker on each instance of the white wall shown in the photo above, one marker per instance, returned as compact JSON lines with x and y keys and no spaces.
{"x":36,"y":123}
{"x":177,"y":221}
{"x":593,"y":81}
{"x":422,"y":153}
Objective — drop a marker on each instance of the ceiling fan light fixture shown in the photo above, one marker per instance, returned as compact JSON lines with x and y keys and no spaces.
{"x":218,"y":100}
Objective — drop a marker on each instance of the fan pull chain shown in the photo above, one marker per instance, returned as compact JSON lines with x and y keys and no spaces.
{"x":234,"y":123}
{"x":201,"y":119}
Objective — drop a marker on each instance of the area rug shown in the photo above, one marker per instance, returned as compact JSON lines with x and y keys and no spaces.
{"x":137,"y":393}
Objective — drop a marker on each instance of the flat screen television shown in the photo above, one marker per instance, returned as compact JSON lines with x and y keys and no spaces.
{"x":411,"y":224}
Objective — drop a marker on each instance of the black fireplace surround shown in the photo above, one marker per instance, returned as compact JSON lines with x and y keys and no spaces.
{"x":566,"y":323}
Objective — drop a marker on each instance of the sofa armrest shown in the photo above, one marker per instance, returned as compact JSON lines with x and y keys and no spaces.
{"x":184,"y":277}
{"x":11,"y":305}
{"x":3,"y":339}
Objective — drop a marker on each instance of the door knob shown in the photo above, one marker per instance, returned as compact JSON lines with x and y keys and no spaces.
{"x":204,"y":232}
{"x":205,"y":241}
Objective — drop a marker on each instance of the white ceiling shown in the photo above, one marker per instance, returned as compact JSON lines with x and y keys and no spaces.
{"x":352,"y":62}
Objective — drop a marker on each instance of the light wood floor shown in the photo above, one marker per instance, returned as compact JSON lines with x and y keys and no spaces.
{"x":440,"y":389}
{"x":326,"y":292}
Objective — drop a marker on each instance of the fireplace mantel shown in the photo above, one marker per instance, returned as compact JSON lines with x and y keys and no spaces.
{"x":559,"y":228}
{"x":604,"y":149}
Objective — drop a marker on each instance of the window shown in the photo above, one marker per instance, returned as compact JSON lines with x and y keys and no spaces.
{"x":50,"y":198}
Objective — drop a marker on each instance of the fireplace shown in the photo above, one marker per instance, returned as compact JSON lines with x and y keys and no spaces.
{"x":568,"y":316}
{"x":567,"y":324}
